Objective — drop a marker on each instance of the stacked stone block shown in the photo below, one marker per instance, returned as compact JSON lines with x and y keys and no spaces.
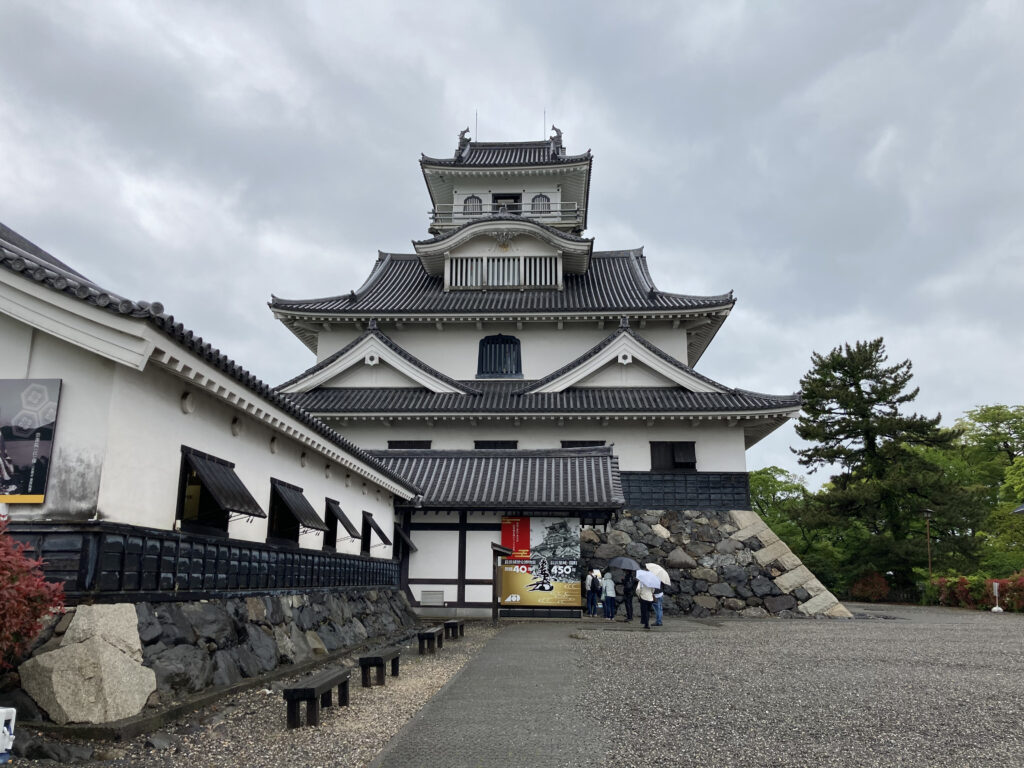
{"x":722,"y":563}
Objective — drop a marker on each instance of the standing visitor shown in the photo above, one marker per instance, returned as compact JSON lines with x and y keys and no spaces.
{"x":593,"y":591}
{"x":658,"y":607}
{"x":628,"y":592}
{"x":646,"y":597}
{"x":608,"y":593}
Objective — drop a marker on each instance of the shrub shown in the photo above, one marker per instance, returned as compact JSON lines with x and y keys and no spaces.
{"x":975,"y":592}
{"x":871,"y":587}
{"x":25,"y":598}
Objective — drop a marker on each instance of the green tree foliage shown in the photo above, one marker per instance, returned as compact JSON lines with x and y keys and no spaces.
{"x":993,"y":438}
{"x":884,"y":461}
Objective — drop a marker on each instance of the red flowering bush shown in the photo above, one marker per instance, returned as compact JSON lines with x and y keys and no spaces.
{"x":976,"y":592}
{"x":871,"y":587}
{"x":25,"y":598}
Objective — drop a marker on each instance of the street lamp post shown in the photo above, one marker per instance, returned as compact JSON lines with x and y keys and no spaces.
{"x":928,"y":535}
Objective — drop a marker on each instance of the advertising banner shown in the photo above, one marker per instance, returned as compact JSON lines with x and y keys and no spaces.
{"x":28,"y":417}
{"x":543,"y":570}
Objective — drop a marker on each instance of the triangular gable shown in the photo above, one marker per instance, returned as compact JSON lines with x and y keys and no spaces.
{"x":371,"y":349}
{"x":624,"y":348}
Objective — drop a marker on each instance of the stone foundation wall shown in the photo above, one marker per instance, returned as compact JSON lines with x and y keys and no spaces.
{"x":187,"y":647}
{"x":721,"y":563}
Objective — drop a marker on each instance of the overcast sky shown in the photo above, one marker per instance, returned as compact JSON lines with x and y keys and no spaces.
{"x":851,"y":169}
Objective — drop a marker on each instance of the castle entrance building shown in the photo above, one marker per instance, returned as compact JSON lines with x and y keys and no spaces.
{"x":529,"y":384}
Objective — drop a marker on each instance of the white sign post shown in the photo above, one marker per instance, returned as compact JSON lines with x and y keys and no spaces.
{"x":995,"y":591}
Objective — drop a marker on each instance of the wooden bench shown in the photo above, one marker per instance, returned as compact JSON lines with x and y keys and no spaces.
{"x":377,"y":660}
{"x":455,"y":628}
{"x":432,"y":638}
{"x":315,"y":690}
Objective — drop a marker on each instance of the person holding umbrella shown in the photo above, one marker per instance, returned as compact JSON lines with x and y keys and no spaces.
{"x":662,"y":574}
{"x":647,"y":581}
{"x":629,"y":566}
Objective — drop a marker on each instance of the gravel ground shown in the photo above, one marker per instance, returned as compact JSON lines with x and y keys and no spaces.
{"x":930,"y":687}
{"x":900,"y":686}
{"x":249,"y":729}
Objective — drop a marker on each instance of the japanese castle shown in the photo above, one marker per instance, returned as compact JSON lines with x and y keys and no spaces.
{"x":507,"y":369}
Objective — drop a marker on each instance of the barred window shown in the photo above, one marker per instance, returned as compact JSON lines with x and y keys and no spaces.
{"x":540,"y":204}
{"x":499,"y":358}
{"x":472,"y":206}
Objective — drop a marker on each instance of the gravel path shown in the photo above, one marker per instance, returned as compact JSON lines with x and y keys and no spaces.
{"x":901,"y":686}
{"x":928,"y":687}
{"x":249,"y":729}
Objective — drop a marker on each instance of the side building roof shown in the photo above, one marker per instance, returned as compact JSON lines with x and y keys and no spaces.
{"x":20,"y":256}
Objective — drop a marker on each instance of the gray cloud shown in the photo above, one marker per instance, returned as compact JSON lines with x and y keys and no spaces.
{"x":851,"y":170}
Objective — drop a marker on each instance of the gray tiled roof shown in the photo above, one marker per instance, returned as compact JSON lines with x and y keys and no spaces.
{"x":505,"y":398}
{"x":567,"y":478}
{"x":617,"y":282}
{"x":507,"y":154}
{"x":373,"y":331}
{"x":35,"y":264}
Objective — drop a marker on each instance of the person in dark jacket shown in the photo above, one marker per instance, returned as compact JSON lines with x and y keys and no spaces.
{"x":593,"y":592}
{"x":628,"y":591}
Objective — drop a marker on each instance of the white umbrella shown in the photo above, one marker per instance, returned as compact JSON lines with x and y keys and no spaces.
{"x":660,"y":572}
{"x":648,"y":579}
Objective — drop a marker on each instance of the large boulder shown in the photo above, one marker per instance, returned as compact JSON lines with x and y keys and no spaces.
{"x":117,"y":625}
{"x":91,"y":681}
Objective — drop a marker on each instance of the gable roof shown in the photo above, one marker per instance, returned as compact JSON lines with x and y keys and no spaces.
{"x":32,"y":263}
{"x":551,"y":479}
{"x":432,"y":379}
{"x":624,"y":343}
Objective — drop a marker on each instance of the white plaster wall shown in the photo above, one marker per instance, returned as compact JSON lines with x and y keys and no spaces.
{"x":524,"y":245}
{"x":479,"y":593}
{"x":80,"y":438}
{"x":545,"y":348}
{"x":548,"y":184}
{"x":375,"y":376}
{"x":437,"y":554}
{"x":141,"y":471}
{"x":635,"y":374}
{"x":720,"y":448}
{"x":479,"y":560}
{"x":15,"y":348}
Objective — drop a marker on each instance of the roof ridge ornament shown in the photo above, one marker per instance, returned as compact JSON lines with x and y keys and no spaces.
{"x":463,"y":143}
{"x":624,"y":322}
{"x":556,"y":142}
{"x":372,"y":325}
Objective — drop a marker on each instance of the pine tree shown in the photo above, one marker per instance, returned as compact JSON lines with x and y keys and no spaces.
{"x":884,"y":475}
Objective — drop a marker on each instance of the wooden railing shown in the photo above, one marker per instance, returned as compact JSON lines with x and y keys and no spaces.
{"x":457,"y":214}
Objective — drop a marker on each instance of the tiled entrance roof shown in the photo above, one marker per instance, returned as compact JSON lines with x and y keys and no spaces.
{"x":554,"y":479}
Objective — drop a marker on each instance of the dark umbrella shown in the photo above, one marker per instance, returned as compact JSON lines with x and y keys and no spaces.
{"x":625,"y":563}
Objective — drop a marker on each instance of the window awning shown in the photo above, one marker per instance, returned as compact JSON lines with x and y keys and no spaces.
{"x":298,"y":505}
{"x":405,"y":537}
{"x":377,"y":529}
{"x":335,"y":509}
{"x":219,"y":478}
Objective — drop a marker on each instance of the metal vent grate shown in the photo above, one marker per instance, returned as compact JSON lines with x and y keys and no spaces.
{"x":432,"y":597}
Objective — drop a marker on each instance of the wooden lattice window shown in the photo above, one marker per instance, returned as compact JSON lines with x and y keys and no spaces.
{"x":499,"y":358}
